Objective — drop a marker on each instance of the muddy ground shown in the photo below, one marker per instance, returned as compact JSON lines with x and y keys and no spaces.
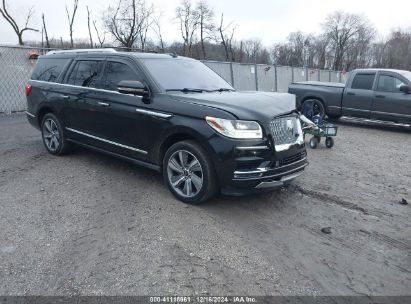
{"x":90,"y":224}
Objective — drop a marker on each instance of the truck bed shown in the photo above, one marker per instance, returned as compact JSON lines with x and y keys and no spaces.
{"x":330,"y":93}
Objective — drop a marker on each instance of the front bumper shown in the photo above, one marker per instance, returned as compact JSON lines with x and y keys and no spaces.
{"x":270,"y":175}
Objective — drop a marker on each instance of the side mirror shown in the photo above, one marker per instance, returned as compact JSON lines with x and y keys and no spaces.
{"x":133,"y":87}
{"x":405,"y":88}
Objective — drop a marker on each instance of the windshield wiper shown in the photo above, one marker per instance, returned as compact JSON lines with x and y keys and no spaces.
{"x":187,"y":90}
{"x":222,"y":90}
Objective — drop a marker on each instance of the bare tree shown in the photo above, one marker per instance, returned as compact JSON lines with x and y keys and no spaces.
{"x":156,"y":27}
{"x":45,"y":31}
{"x":396,"y":51}
{"x":188,"y":18}
{"x":206,"y":26}
{"x":89,"y":28}
{"x":128,"y":22}
{"x":19,"y":30}
{"x":101,"y":36}
{"x":71,"y":20}
{"x":226,"y":36}
{"x":341,"y":28}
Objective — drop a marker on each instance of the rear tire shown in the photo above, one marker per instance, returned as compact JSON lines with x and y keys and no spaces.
{"x":53,"y":135}
{"x":317,"y":107}
{"x":189,"y":173}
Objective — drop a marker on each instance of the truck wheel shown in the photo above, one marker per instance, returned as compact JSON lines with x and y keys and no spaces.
{"x":313,"y":142}
{"x":317,"y":107}
{"x":329,"y":142}
{"x":188,"y":172}
{"x":53,"y":135}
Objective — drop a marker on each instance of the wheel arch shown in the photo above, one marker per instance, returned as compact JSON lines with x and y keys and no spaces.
{"x":43,"y":110}
{"x":177,"y":135}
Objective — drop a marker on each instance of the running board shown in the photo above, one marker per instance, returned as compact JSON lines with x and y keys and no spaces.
{"x":380,"y":122}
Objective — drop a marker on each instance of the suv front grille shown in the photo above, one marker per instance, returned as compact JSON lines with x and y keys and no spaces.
{"x":286,"y":131}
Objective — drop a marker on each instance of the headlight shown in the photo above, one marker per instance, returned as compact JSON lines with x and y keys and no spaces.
{"x":240,"y":129}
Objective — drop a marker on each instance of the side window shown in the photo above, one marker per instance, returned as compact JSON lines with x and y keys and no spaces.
{"x":85,"y":73}
{"x":48,"y":69}
{"x":116,"y":72}
{"x":389,"y":84}
{"x":363,"y":81}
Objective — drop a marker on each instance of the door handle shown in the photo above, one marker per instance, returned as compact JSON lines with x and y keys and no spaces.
{"x":103,"y":104}
{"x":380,"y":96}
{"x":351,"y":93}
{"x":65,"y":96}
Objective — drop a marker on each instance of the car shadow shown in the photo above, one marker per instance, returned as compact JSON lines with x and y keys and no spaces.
{"x":270,"y":199}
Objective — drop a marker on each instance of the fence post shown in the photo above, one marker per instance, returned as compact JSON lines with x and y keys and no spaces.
{"x":232,"y":73}
{"x":319,"y":75}
{"x":275,"y":78}
{"x":339,"y":76}
{"x":329,"y":76}
{"x":292,"y":74}
{"x":256,"y":77}
{"x":306,"y":73}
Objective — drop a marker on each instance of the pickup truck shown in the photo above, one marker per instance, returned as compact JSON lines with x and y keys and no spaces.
{"x":377,"y":94}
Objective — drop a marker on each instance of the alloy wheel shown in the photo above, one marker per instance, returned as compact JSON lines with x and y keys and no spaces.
{"x":185,"y":173}
{"x":51,"y":135}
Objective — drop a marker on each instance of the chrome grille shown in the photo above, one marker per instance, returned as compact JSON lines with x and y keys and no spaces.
{"x":285,"y":130}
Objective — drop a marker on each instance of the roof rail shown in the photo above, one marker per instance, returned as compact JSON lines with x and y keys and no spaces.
{"x":127,"y":49}
{"x":77,"y":51}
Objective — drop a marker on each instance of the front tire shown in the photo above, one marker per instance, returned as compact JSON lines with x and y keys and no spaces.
{"x":53,"y":135}
{"x":189,"y":173}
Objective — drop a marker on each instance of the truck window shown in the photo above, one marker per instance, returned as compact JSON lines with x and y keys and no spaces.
{"x":116,"y":72}
{"x":85,"y":73}
{"x":48,"y":69}
{"x":363,"y":81}
{"x":389,"y":84}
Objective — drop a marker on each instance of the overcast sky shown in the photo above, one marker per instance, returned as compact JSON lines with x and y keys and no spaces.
{"x":269,"y":20}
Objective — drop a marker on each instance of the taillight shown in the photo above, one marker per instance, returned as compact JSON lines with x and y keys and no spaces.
{"x":27,"y":89}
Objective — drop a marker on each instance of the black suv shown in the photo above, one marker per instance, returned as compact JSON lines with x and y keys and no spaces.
{"x":169,"y":113}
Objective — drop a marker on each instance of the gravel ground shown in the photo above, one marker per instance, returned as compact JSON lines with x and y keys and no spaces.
{"x":89,"y":224}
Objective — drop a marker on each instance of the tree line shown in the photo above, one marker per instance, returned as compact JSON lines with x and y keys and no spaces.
{"x":346,"y":41}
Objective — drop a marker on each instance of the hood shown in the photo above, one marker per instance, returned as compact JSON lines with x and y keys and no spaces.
{"x":261,"y":106}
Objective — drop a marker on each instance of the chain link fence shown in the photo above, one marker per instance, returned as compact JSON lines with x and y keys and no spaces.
{"x":17,"y":63}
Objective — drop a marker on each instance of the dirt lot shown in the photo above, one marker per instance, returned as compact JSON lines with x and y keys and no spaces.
{"x":90,"y":224}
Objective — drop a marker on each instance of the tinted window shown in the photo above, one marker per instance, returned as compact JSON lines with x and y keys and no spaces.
{"x":48,"y":69}
{"x":363,"y":81}
{"x":116,"y":72}
{"x":180,"y":73}
{"x":389,"y":84}
{"x":85,"y":73}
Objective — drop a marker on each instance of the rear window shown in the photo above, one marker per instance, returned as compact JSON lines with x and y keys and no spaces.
{"x":363,"y":81}
{"x":48,"y":69}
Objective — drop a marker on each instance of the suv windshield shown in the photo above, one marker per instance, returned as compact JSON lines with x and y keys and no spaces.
{"x":185,"y":74}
